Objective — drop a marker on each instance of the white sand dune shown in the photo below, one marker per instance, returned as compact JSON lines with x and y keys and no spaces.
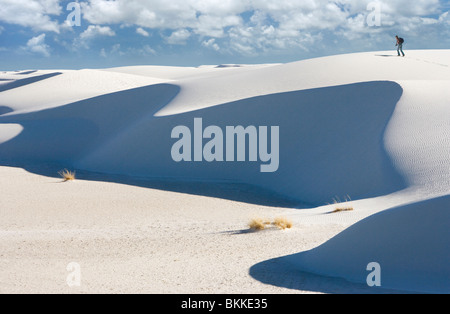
{"x":42,"y":90}
{"x":411,"y":243}
{"x":369,"y":126}
{"x":177,"y":73}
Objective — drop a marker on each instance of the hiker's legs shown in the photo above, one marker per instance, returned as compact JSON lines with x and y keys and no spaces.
{"x":400,"y":49}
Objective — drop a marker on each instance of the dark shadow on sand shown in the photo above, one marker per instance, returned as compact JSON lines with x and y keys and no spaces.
{"x":26,"y":72}
{"x":281,"y":272}
{"x":411,"y":246}
{"x":244,"y":193}
{"x":325,"y":134}
{"x":5,"y":110}
{"x":27,"y":81}
{"x":225,"y":66}
{"x":68,"y":129}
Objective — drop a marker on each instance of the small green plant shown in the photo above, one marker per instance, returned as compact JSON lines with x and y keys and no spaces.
{"x":67,"y":175}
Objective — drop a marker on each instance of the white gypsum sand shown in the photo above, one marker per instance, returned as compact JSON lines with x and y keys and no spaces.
{"x":368,"y":128}
{"x":129,"y":239}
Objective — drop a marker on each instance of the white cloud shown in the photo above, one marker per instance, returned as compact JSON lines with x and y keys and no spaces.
{"x":179,"y":37}
{"x":146,"y":51}
{"x":116,"y":50}
{"x":445,"y":18}
{"x":199,"y":16}
{"x":93,"y":31}
{"x":142,"y":32}
{"x":214,"y":26}
{"x":442,"y":19}
{"x":37,"y":45}
{"x":211,"y":43}
{"x":243,"y":26}
{"x":36,"y":14}
{"x":275,"y":24}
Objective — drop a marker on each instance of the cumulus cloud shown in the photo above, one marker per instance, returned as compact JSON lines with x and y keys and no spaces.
{"x":37,"y":14}
{"x":277,"y":24}
{"x":240,"y":26}
{"x":142,"y":32}
{"x":37,"y":45}
{"x":442,"y":19}
{"x":211,"y":43}
{"x":95,"y":30}
{"x":179,"y":37}
{"x":92,"y":32}
{"x":144,"y":13}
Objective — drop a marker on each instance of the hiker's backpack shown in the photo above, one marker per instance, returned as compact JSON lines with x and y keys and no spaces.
{"x":401,"y":40}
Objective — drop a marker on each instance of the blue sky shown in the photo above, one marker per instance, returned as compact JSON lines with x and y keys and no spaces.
{"x":36,"y":33}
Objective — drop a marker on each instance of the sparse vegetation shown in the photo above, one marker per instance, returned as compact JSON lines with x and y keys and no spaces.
{"x":283,"y":223}
{"x":337,"y":200}
{"x":343,"y":209}
{"x":259,"y":224}
{"x":67,"y":175}
{"x":342,"y":206}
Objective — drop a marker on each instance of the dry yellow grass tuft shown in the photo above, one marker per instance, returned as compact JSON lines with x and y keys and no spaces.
{"x":259,"y":224}
{"x":343,"y":209}
{"x":67,"y":175}
{"x":344,"y":206}
{"x":283,"y":223}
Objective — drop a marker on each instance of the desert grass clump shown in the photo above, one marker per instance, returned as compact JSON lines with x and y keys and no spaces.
{"x":342,"y":206}
{"x":67,"y":175}
{"x":282,"y":223}
{"x":258,"y":224}
{"x":337,"y":200}
{"x":342,"y":209}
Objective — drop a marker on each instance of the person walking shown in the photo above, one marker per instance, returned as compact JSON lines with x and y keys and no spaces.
{"x":400,"y":42}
